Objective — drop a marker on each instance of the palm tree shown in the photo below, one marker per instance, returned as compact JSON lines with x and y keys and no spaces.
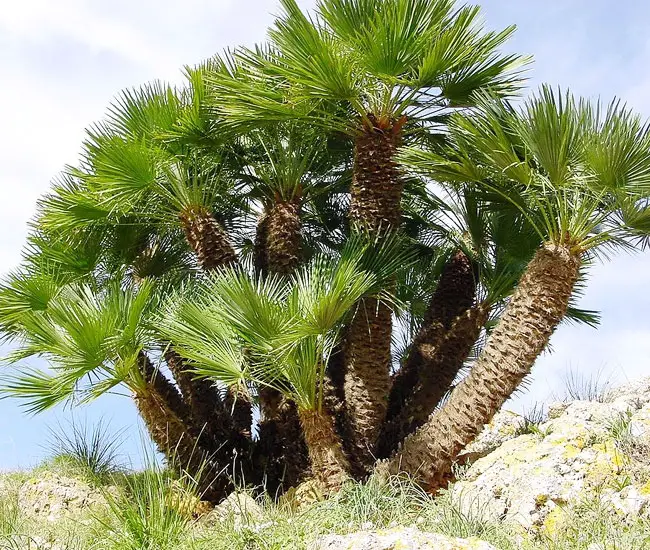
{"x":278,"y":333}
{"x":285,"y":166}
{"x":482,"y":264}
{"x":571,"y":169}
{"x":135,"y":168}
{"x":379,"y":72}
{"x":262,"y":229}
{"x":96,"y":339}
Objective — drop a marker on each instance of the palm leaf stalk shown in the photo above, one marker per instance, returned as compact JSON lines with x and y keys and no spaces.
{"x":569,"y":165}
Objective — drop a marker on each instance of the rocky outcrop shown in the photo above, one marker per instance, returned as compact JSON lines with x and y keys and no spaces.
{"x":397,"y":539}
{"x":583,"y":450}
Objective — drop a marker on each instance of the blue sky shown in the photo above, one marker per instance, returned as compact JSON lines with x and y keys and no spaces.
{"x":62,"y":62}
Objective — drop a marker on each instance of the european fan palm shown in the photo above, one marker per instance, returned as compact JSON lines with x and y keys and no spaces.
{"x":94,"y":340}
{"x":377,"y":71}
{"x":572,"y":169}
{"x":278,"y":333}
{"x":260,"y":229}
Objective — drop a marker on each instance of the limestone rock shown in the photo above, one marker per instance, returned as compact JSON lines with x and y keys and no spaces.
{"x":53,"y":497}
{"x":586,"y":448}
{"x":239,"y":508}
{"x":397,"y":539}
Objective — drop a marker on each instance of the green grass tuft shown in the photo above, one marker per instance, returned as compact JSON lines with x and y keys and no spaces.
{"x":90,"y":453}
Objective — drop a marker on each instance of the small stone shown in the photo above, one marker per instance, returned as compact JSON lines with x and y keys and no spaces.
{"x":402,"y":539}
{"x":240,"y":508}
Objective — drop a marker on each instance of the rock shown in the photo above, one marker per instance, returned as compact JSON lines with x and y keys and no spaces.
{"x":585,"y":449}
{"x":53,"y":497}
{"x":239,"y":508}
{"x":505,"y":425}
{"x":397,"y":539}
{"x":555,"y":410}
{"x":634,"y":394}
{"x":631,"y":501}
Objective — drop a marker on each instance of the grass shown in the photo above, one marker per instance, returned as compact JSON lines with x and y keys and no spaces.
{"x":87,"y":452}
{"x":153,"y":511}
{"x":532,"y":420}
{"x":592,"y":387}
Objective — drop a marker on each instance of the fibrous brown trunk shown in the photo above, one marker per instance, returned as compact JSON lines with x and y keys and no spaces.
{"x":201,"y":396}
{"x":165,"y":415}
{"x":453,"y":296}
{"x":207,"y":238}
{"x":281,"y":450}
{"x":210,"y":421}
{"x":213,"y":249}
{"x":367,"y":374}
{"x":532,"y":315}
{"x":278,"y":241}
{"x":239,"y":405}
{"x":441,"y":365}
{"x":329,"y":463}
{"x":376,"y":190}
{"x":375,"y":197}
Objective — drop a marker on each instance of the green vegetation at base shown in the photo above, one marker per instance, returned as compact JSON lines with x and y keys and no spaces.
{"x":153,"y":510}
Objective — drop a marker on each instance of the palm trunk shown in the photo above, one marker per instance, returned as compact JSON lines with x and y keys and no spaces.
{"x":207,"y":238}
{"x":454,"y":295}
{"x":375,"y":197}
{"x":535,"y":310}
{"x":278,"y":241}
{"x":201,"y":396}
{"x":211,"y":423}
{"x":164,"y":415}
{"x":329,"y":464}
{"x":213,"y":251}
{"x":281,"y":451}
{"x":367,"y":375}
{"x":440,"y":367}
{"x":239,"y":405}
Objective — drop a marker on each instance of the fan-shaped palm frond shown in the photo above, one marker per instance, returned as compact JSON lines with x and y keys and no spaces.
{"x":91,"y":339}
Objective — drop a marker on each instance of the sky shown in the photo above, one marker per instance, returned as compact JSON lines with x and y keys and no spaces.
{"x":62,"y":62}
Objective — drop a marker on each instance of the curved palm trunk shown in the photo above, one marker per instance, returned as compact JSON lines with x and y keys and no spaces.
{"x":441,"y":365}
{"x":535,"y":310}
{"x":164,"y":414}
{"x":454,"y":295}
{"x":281,"y":451}
{"x":334,"y":403}
{"x":201,"y":396}
{"x":375,"y":197}
{"x":329,"y":463}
